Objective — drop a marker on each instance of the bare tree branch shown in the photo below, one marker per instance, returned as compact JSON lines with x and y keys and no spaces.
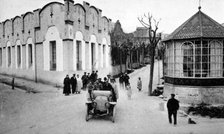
{"x":143,"y":23}
{"x":152,"y":26}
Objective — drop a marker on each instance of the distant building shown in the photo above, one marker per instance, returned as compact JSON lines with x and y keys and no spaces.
{"x":194,"y":67}
{"x":129,"y":50}
{"x":58,"y":39}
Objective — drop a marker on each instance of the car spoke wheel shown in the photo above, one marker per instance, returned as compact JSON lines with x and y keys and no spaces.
{"x":87,"y":114}
{"x":113,"y":115}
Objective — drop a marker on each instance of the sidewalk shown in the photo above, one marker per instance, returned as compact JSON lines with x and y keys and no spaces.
{"x":28,"y":85}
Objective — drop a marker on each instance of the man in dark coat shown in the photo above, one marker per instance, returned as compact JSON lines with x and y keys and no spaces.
{"x":84,"y":81}
{"x":172,"y":106}
{"x":106,"y":85}
{"x":96,"y":75}
{"x":126,"y":79}
{"x":67,"y":89}
{"x":74,"y":84}
{"x":92,"y":76}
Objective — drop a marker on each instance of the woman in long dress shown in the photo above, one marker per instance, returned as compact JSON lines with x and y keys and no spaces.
{"x":79,"y":82}
{"x":139,"y":84}
{"x":67,"y":89}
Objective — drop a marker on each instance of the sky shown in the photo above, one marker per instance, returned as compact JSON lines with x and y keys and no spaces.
{"x":171,"y":13}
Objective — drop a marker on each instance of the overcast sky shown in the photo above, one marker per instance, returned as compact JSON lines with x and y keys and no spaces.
{"x":171,"y":12}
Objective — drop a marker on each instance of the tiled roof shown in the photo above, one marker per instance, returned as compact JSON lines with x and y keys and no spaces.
{"x":199,"y":25}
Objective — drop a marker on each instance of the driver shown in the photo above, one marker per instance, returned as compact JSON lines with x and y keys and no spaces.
{"x":106,"y":85}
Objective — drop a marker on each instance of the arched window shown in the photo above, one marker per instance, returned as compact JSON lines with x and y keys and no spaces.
{"x":188,"y":59}
{"x":19,"y":57}
{"x":8,"y":54}
{"x":216,"y":59}
{"x":30,"y":55}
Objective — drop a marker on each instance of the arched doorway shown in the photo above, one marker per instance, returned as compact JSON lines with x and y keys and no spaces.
{"x":53,"y":50}
{"x":79,"y":51}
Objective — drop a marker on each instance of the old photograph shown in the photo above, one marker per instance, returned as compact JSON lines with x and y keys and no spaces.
{"x":111,"y":67}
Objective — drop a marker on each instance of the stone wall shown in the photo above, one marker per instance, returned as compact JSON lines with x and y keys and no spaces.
{"x":196,"y":94}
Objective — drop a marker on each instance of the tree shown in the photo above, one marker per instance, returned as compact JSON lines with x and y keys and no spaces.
{"x":153,"y":40}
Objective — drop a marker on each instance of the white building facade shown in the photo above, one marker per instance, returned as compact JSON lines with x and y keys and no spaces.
{"x":58,"y":39}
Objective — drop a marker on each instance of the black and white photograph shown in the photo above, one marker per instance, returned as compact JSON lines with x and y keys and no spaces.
{"x":111,"y":66}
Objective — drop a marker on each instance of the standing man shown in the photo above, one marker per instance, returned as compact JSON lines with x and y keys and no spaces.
{"x":67,"y":89}
{"x":96,"y":75}
{"x":126,"y":79}
{"x":74,"y":84}
{"x":92,"y":76}
{"x":84,"y":81}
{"x":172,"y":106}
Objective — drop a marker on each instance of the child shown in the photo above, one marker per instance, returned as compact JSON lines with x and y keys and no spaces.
{"x":139,"y":84}
{"x":129,"y":91}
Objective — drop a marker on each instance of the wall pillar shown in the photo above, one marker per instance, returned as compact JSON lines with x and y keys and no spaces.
{"x":96,"y":55}
{"x":90,"y":55}
{"x":83,"y":55}
{"x":74,"y":56}
{"x":101,"y":57}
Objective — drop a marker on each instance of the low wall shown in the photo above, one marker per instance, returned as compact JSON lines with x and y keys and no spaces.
{"x":196,"y":94}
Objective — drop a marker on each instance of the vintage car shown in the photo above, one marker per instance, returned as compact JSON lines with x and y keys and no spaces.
{"x":101,"y":105}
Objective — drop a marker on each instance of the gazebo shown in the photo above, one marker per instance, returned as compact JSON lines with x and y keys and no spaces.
{"x":193,"y":68}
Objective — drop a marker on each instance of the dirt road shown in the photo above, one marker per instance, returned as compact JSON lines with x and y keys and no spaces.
{"x":54,"y":113}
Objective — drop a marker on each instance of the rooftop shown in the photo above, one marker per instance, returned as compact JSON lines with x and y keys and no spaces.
{"x":199,"y":25}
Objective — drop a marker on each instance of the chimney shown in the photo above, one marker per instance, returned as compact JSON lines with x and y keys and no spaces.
{"x":100,"y":19}
{"x":68,"y":9}
{"x":36,"y":18}
{"x":86,"y":6}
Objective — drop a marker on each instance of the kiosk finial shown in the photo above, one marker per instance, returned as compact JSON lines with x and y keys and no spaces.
{"x":199,"y":7}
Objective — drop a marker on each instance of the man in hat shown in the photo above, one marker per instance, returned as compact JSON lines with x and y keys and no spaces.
{"x":106,"y":85}
{"x":73,"y":84}
{"x":84,"y":81}
{"x":172,"y":106}
{"x":126,"y":79}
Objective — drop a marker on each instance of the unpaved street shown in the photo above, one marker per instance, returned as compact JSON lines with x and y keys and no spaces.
{"x":54,"y":113}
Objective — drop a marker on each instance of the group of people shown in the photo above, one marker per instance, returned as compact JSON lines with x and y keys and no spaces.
{"x":92,"y":82}
{"x":124,"y":83}
{"x":72,"y":85}
{"x":87,"y":77}
{"x":124,"y":80}
{"x":107,"y":85}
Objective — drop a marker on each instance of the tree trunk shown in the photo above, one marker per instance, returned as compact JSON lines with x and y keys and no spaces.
{"x":151,"y":73}
{"x":143,"y":56}
{"x":163,"y":63}
{"x":131,"y":59}
{"x":120,"y":53}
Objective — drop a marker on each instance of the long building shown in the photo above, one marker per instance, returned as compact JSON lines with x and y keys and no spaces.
{"x":58,"y":39}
